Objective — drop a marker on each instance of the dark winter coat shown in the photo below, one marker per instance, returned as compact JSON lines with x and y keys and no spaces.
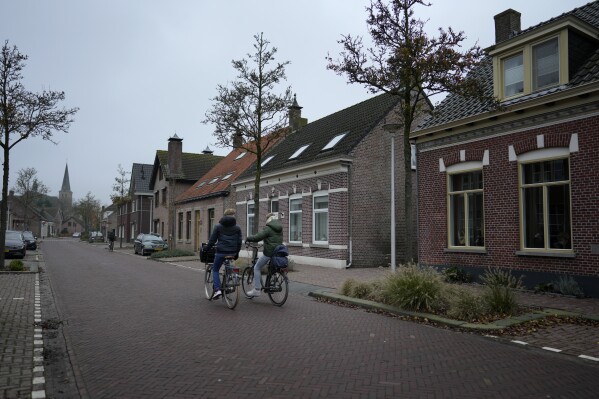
{"x":226,"y":235}
{"x":272,"y":235}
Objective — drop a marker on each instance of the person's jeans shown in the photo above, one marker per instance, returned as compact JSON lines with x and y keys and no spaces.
{"x":219,"y":258}
{"x":263,"y":260}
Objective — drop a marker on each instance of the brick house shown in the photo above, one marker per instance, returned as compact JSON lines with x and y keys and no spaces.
{"x":173,"y":172}
{"x":330,"y":182}
{"x":200,"y":207}
{"x":138,"y":211}
{"x":518,"y":187}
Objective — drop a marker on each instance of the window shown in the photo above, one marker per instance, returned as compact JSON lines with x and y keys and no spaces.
{"x":201,"y":184}
{"x":545,"y":64}
{"x":466,"y":214}
{"x":513,"y":75}
{"x":274,"y":205}
{"x":132,"y":230}
{"x":213,"y":180}
{"x":267,"y":160}
{"x":188,"y":226}
{"x":164,"y":192}
{"x":240,"y":155}
{"x":180,"y":226}
{"x":545,"y":204}
{"x":250,"y":218}
{"x":295,"y":219}
{"x":321,"y":219}
{"x":210,"y":221}
{"x":299,"y":151}
{"x":225,"y":177}
{"x":334,"y":141}
{"x":156,"y":199}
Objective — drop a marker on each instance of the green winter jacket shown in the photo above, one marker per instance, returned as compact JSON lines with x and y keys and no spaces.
{"x":272,"y":235}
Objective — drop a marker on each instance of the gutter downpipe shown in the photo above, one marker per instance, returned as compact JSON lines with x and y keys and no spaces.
{"x":350,"y":219}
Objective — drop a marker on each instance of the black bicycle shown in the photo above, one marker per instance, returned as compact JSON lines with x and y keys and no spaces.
{"x":229,"y":278}
{"x":276,"y":284}
{"x":110,"y":246}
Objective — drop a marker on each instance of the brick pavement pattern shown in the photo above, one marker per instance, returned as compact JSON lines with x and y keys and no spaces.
{"x":17,"y":299}
{"x":139,"y":328}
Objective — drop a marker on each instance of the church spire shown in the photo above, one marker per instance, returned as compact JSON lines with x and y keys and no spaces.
{"x":65,"y":195}
{"x":66,"y":185}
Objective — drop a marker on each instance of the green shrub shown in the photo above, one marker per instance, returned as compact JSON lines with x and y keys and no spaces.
{"x":466,"y":305}
{"x":347,"y":288}
{"x":454,"y":274}
{"x":500,"y":299}
{"x":16,"y":266}
{"x":567,"y":286}
{"x":171,"y":253}
{"x":362,"y":290}
{"x":544,"y":287}
{"x":413,"y":288}
{"x":498,"y":277}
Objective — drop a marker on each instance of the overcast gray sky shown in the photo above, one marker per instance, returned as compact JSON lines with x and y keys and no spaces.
{"x":141,"y":71}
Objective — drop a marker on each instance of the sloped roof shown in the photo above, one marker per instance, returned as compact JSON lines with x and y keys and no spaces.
{"x":456,"y":107}
{"x":355,"y":121}
{"x":194,"y":166}
{"x":217,"y":181}
{"x":141,"y":174}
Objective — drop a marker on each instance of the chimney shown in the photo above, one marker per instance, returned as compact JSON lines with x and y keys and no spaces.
{"x":175,"y":155}
{"x":507,"y":25}
{"x":207,"y":151}
{"x":295,"y":115}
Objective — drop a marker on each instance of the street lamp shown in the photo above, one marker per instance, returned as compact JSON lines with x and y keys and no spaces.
{"x":392,"y":128}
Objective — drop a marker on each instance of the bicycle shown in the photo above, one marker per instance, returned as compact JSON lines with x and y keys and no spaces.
{"x":276,"y":284}
{"x":229,"y":278}
{"x":110,"y":246}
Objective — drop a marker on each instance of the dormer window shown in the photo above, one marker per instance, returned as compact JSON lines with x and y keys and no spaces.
{"x":241,"y":155}
{"x":545,"y":64}
{"x":299,"y":151}
{"x":529,"y":67}
{"x":334,"y":141}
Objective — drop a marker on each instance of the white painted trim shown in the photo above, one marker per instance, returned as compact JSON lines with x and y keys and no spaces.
{"x":486,"y":161}
{"x":332,"y":246}
{"x":574,"y":142}
{"x":512,"y":157}
{"x":441,"y":165}
{"x":464,"y":166}
{"x":462,"y":155}
{"x":312,"y":261}
{"x":544,"y":153}
{"x":338,"y":190}
{"x":541,"y":141}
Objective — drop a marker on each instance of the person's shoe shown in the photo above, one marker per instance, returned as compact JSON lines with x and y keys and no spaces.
{"x":217,"y":294}
{"x":253,"y":292}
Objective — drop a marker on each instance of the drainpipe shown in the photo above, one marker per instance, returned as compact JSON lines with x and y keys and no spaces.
{"x":350,"y":218}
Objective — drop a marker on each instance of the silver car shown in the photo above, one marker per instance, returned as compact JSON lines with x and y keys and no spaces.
{"x":14,"y":244}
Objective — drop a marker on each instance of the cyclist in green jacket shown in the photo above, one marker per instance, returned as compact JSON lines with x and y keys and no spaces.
{"x":272,"y":235}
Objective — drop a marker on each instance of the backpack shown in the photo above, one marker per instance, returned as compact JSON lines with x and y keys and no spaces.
{"x":279,"y":257}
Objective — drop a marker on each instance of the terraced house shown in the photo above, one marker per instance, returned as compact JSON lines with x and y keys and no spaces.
{"x":330,"y":182}
{"x":518,"y":188}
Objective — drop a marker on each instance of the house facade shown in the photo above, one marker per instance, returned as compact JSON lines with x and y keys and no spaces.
{"x":201,"y":206}
{"x":517,"y":187}
{"x":173,"y":172}
{"x":329,"y":180}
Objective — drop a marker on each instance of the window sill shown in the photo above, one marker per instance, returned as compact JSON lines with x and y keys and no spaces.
{"x":326,"y":246}
{"x":295,"y":244}
{"x":482,"y":251}
{"x":547,"y":254}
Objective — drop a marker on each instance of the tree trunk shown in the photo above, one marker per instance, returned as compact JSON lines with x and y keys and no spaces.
{"x":408,"y":194}
{"x":4,"y":204}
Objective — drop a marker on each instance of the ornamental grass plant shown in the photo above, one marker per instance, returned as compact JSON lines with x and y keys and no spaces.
{"x":414,"y":288}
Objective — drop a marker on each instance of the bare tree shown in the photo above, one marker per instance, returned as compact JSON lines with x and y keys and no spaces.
{"x":250,"y":113}
{"x":406,"y":62}
{"x":121,"y":196}
{"x":30,"y":189}
{"x":24,"y":114}
{"x":89,"y":209}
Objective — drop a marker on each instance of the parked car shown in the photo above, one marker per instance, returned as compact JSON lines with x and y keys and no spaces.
{"x":96,"y":236}
{"x":147,"y":243}
{"x":30,"y":240}
{"x":14,"y":244}
{"x":77,"y":235}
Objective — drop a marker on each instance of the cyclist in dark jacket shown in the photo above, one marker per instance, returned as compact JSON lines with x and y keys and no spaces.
{"x":272,"y":235}
{"x":226,"y":236}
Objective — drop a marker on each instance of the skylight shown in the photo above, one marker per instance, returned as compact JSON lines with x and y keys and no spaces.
{"x":213,"y":180}
{"x":241,"y":155}
{"x":299,"y":151}
{"x":334,"y":141}
{"x":225,"y":177}
{"x":267,"y":160}
{"x":201,"y":184}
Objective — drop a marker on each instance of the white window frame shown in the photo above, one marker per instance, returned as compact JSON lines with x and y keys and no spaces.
{"x":465,"y":167}
{"x":320,"y":211}
{"x":300,"y":212}
{"x":334,"y":141}
{"x":299,"y":151}
{"x":267,"y":160}
{"x":249,"y":215}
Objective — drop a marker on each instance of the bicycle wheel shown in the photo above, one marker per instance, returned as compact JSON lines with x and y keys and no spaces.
{"x":277,"y":287}
{"x":208,"y":282}
{"x":230,"y":291}
{"x":247,"y":281}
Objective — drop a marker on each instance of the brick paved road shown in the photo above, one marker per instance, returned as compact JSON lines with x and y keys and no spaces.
{"x":140,"y":329}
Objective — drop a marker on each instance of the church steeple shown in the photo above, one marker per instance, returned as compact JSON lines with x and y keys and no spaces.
{"x":65,"y":195}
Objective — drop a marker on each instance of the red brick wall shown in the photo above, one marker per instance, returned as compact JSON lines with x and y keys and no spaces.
{"x":502,"y":231}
